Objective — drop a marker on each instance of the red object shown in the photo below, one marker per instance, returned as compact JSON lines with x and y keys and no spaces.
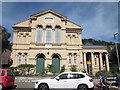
{"x":90,"y":80}
{"x":80,"y":62}
{"x":7,"y":78}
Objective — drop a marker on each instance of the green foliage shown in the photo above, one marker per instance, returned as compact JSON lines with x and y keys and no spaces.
{"x":15,"y":71}
{"x":43,"y":72}
{"x":62,"y":69}
{"x":103,"y":71}
{"x":73,"y":68}
{"x":5,"y":36}
{"x":113,"y":56}
{"x":96,"y":42}
{"x":25,"y":68}
{"x":114,"y":69}
{"x":50,"y":67}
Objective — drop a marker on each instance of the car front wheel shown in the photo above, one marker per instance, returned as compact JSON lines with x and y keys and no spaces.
{"x":43,"y":87}
{"x":82,"y":87}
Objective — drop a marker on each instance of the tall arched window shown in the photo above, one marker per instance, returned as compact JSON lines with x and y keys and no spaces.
{"x":48,"y":34}
{"x":19,"y":58}
{"x":39,"y":34}
{"x":57,"y":34}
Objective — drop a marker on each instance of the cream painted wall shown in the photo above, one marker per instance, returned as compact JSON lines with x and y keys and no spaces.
{"x":24,"y":41}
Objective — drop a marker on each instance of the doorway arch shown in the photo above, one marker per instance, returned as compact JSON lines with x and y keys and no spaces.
{"x":40,"y":63}
{"x":56,"y":63}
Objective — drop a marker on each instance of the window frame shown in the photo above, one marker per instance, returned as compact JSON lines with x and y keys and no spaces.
{"x":58,"y":34}
{"x":63,"y":74}
{"x":39,"y":35}
{"x":48,"y":34}
{"x":77,"y":76}
{"x":70,"y":58}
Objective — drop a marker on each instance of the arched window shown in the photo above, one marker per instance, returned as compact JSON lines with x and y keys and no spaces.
{"x":57,"y":34}
{"x":48,"y":34}
{"x":39,"y":34}
{"x":25,"y":58}
{"x":19,"y":58}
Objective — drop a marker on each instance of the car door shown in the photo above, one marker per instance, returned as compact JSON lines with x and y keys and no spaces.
{"x":10,"y":76}
{"x":75,"y":79}
{"x":60,"y":82}
{"x":2,"y":73}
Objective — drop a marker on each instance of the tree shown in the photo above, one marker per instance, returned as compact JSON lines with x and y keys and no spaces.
{"x":5,"y":36}
{"x":114,"y":59}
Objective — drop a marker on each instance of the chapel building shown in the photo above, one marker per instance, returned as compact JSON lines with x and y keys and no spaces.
{"x":49,"y":37}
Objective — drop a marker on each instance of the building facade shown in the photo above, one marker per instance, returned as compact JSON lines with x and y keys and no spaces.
{"x":48,"y":37}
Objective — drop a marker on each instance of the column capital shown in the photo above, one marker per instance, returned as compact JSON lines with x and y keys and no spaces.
{"x":44,"y":29}
{"x":92,"y":52}
{"x":85,"y":52}
{"x":53,"y":29}
{"x":106,"y":53}
{"x":101,"y":52}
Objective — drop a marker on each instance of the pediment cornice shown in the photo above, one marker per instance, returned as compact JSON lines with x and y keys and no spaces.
{"x":33,"y":16}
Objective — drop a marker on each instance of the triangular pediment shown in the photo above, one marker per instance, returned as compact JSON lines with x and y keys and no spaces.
{"x":49,"y":11}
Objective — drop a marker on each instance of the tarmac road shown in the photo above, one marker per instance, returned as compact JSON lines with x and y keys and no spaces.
{"x":30,"y":86}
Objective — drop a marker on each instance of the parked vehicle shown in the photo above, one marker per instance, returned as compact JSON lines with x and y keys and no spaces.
{"x":66,"y":80}
{"x":7,"y":79}
{"x":0,"y":86}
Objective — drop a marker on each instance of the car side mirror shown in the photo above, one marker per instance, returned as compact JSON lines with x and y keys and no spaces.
{"x":57,"y":78}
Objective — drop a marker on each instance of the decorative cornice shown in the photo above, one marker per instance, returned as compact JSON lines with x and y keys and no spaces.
{"x":48,"y":11}
{"x":21,"y":28}
{"x":73,"y":30}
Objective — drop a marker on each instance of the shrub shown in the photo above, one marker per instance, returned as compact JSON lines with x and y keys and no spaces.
{"x":50,"y":67}
{"x":114,"y":70}
{"x":25,"y":68}
{"x":73,"y":68}
{"x":62,"y":69}
{"x":43,"y":72}
{"x":15,"y":71}
{"x":103,"y":71}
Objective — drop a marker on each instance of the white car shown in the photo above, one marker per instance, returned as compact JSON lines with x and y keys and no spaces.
{"x":66,"y":80}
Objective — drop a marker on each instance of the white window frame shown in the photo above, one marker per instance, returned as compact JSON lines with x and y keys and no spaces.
{"x":57,"y":31}
{"x":19,"y":59}
{"x":70,"y":58}
{"x":75,"y":58}
{"x":49,"y":31}
{"x":25,"y":59}
{"x":39,"y":35}
{"x":49,"y":19}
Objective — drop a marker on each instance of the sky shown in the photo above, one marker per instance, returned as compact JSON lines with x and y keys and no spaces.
{"x":98,"y":19}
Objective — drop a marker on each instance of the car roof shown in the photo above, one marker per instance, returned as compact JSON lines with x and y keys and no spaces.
{"x":5,"y":69}
{"x":75,"y":72}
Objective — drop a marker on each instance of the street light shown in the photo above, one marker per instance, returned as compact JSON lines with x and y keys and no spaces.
{"x":116,"y":33}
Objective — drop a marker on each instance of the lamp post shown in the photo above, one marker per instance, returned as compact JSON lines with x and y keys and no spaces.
{"x":116,"y":33}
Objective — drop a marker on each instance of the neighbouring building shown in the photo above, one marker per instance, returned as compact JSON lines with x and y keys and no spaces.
{"x":48,"y":37}
{"x":6,"y":60}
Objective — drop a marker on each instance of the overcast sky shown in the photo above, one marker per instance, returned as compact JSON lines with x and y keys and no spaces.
{"x":98,"y":19}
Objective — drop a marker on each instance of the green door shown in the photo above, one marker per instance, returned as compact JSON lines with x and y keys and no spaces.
{"x":39,"y":65}
{"x":56,"y":64}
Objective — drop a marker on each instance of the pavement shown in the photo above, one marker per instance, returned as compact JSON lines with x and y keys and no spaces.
{"x":28,"y":83}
